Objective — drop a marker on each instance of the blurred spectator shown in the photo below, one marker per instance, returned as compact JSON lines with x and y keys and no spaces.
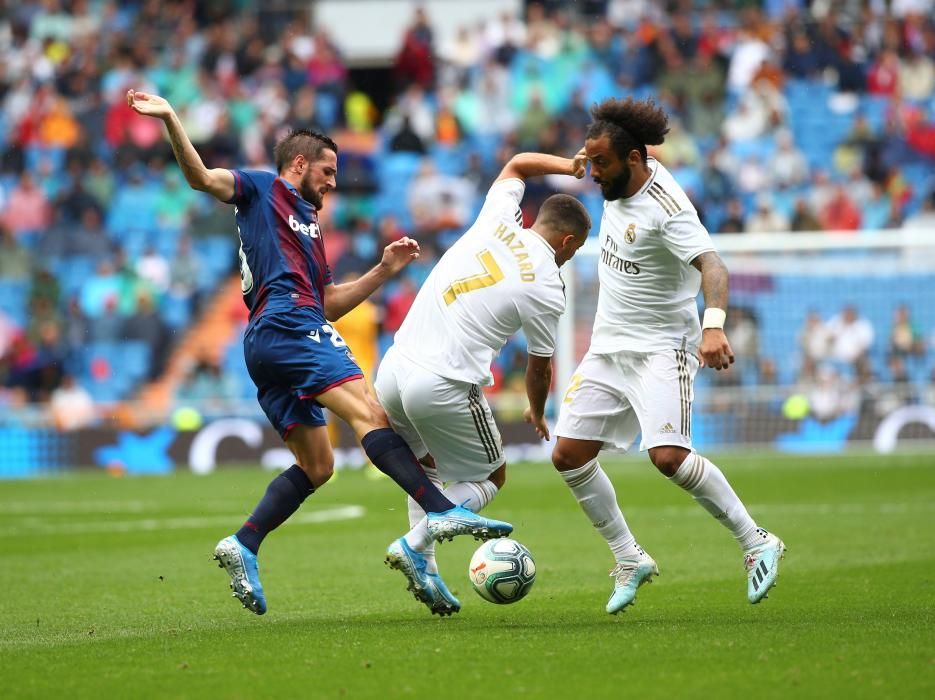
{"x":208,"y":385}
{"x":906,"y":338}
{"x":174,"y":201}
{"x":801,"y":60}
{"x":875,"y":210}
{"x":439,"y":201}
{"x":803,"y":218}
{"x":789,"y":166}
{"x":147,"y":325}
{"x":840,"y":213}
{"x":184,"y":271}
{"x":406,"y":140}
{"x":15,"y":261}
{"x":831,"y":395}
{"x":916,"y":76}
{"x":363,"y":250}
{"x":27,"y":209}
{"x":733,"y":220}
{"x":766,"y":219}
{"x":533,"y":122}
{"x":850,"y":339}
{"x":814,"y":344}
{"x":153,"y":268}
{"x":71,"y":406}
{"x":415,"y":62}
{"x":883,"y":75}
{"x":397,"y":305}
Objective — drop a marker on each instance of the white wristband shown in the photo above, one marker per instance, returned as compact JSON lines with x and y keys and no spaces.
{"x":714,"y":318}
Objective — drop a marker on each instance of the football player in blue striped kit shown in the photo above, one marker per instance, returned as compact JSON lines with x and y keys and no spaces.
{"x":297,"y":360}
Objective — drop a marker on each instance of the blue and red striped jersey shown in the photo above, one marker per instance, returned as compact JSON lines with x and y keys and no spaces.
{"x":282,"y":255}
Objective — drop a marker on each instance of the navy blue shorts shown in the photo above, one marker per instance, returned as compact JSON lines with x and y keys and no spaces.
{"x":292,"y":360}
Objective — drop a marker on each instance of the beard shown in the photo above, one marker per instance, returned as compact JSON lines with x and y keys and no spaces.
{"x":615,"y":188}
{"x":309,"y":193}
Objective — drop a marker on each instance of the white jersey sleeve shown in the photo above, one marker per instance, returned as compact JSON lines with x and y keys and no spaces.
{"x":503,"y":200}
{"x":685,"y":236}
{"x":541,"y":325}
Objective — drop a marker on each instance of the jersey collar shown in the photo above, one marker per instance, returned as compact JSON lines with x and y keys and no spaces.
{"x":291,"y":188}
{"x":654,"y":166}
{"x":544,"y":242}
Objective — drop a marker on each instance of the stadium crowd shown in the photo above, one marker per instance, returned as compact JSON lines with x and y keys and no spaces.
{"x":786,"y":115}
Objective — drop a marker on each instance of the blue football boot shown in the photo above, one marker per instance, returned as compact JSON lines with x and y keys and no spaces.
{"x":240,"y":564}
{"x":762,"y":565}
{"x":402,"y":557}
{"x":445,"y":602}
{"x":628,"y":577}
{"x":460,"y":521}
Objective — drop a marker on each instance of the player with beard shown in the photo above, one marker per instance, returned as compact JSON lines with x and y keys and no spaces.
{"x":297,"y":360}
{"x":646,"y":346}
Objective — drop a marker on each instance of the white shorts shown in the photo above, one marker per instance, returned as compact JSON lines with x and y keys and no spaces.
{"x":448,"y":419}
{"x":613,"y":398}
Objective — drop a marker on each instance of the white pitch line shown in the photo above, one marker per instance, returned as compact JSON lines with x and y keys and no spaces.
{"x":37,"y":527}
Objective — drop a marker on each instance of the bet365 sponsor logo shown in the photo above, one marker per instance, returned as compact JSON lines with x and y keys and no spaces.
{"x":310,"y":230}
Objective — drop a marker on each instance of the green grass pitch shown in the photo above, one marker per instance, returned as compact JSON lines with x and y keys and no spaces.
{"x":109,"y":592}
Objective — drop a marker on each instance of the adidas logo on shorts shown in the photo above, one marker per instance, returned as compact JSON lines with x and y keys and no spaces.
{"x":667,"y":428}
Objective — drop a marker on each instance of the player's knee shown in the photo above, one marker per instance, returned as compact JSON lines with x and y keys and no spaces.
{"x":319,"y":470}
{"x":498,"y":477}
{"x":564,"y":459}
{"x":667,"y":459}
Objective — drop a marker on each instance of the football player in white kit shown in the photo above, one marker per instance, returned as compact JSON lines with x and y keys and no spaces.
{"x":646,"y":346}
{"x":497,"y":279}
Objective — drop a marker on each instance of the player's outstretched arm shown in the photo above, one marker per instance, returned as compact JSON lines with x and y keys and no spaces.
{"x":538,"y":383}
{"x":218,"y":182}
{"x":341,"y":298}
{"x":715,"y":351}
{"x":526,"y":165}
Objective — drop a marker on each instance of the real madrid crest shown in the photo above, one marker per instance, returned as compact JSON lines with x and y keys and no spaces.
{"x":630,"y":235}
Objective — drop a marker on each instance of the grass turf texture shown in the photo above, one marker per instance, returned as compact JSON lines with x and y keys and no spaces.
{"x":98,"y":603}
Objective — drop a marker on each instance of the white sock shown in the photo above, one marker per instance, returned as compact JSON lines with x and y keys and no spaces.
{"x":473,"y":495}
{"x":708,"y":485}
{"x":598,"y":500}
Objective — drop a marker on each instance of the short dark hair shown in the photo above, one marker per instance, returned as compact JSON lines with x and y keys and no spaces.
{"x":562,"y":212}
{"x":630,"y":124}
{"x":301,"y":142}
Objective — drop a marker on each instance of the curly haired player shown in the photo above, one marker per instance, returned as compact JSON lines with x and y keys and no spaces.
{"x":646,"y":346}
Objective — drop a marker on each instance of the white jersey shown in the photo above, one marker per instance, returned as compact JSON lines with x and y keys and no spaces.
{"x":496,"y":279}
{"x":648,"y":287}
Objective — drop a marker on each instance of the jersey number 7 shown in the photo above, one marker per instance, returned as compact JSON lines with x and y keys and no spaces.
{"x":490,"y":276}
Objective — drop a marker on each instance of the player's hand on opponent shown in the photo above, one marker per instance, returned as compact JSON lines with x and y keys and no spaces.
{"x":579,"y":164}
{"x":715,"y":350}
{"x":537,"y":422}
{"x":149,"y":105}
{"x":398,"y":254}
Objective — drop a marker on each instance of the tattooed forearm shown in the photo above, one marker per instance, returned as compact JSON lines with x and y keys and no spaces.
{"x":188,"y":159}
{"x":714,"y":280}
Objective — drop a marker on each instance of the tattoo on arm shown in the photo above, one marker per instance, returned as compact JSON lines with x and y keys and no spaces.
{"x":714,"y":279}
{"x":187,"y":157}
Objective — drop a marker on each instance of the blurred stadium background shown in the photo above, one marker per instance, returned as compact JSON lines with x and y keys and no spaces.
{"x":804,"y":132}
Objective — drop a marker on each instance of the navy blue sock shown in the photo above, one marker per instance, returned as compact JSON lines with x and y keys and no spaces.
{"x":283,"y":497}
{"x":392,"y":456}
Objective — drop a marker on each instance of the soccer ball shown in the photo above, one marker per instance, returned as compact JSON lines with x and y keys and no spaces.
{"x":502,"y":571}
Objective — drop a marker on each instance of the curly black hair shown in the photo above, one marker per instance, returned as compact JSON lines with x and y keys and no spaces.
{"x":630,"y":124}
{"x":303,"y":142}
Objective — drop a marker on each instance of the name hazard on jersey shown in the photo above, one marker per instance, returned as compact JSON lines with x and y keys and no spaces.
{"x":516,"y":246}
